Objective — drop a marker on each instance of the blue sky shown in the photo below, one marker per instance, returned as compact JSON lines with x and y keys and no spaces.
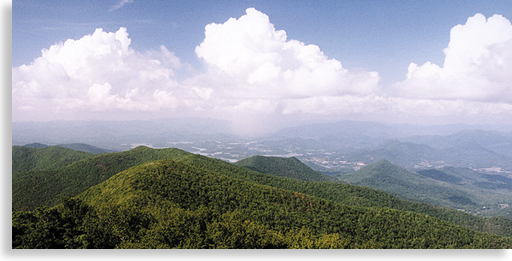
{"x":363,"y":36}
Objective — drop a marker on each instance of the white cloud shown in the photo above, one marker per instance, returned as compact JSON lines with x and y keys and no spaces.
{"x":99,"y":72}
{"x":100,"y":98}
{"x":259,"y":79}
{"x":255,"y":73}
{"x":250,"y":66}
{"x":477,"y":66}
{"x":261,"y":63}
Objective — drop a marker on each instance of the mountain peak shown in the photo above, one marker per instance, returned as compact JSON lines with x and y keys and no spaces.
{"x":283,"y":167}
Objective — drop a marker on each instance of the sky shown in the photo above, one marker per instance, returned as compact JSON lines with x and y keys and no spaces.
{"x":263,"y":65}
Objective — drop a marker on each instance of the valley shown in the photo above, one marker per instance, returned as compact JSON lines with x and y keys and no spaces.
{"x":331,"y":160}
{"x":340,"y":146}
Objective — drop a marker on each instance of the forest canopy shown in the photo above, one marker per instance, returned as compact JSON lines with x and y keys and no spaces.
{"x":172,"y":204}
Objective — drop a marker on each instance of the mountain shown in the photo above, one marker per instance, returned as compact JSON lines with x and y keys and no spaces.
{"x":283,"y":167}
{"x":409,"y":146}
{"x":440,"y":175}
{"x":46,"y":188}
{"x":470,"y":148}
{"x":493,"y":140}
{"x":436,"y":152}
{"x":491,"y":192}
{"x":74,"y":146}
{"x":405,"y":154}
{"x":405,"y":184}
{"x":26,"y":158}
{"x":170,"y":204}
{"x":473,"y":155}
{"x":348,"y":136}
{"x":459,"y":188}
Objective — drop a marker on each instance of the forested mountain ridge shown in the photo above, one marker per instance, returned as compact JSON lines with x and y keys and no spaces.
{"x":392,"y":177}
{"x":283,"y":167}
{"x":46,"y":188}
{"x":171,"y":204}
{"x":44,"y":158}
{"x":402,"y":183}
{"x":459,"y":188}
{"x":36,"y":188}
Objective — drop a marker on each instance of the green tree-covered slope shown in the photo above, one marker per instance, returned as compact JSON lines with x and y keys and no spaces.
{"x":44,"y":158}
{"x":37,"y":189}
{"x":403,"y":183}
{"x":170,"y":204}
{"x":356,"y":196}
{"x":283,"y":167}
{"x":459,"y":188}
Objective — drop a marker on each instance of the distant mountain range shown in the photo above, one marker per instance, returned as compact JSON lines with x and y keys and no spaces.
{"x":471,"y":149}
{"x":413,"y":146}
{"x":458,"y":188}
{"x":353,"y":135}
{"x":116,"y":135}
{"x":340,"y":146}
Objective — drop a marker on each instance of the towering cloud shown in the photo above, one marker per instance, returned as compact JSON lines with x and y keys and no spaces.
{"x":256,"y":73}
{"x":477,"y":65}
{"x":262,"y":64}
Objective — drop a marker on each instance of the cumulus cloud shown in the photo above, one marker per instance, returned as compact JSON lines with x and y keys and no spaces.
{"x":99,"y":72}
{"x":255,"y":71}
{"x":250,"y":68}
{"x":259,"y":79}
{"x":258,"y":76}
{"x":477,"y":65}
{"x":261,"y":63}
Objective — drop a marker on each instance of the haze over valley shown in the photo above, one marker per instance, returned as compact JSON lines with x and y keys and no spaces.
{"x":348,"y":144}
